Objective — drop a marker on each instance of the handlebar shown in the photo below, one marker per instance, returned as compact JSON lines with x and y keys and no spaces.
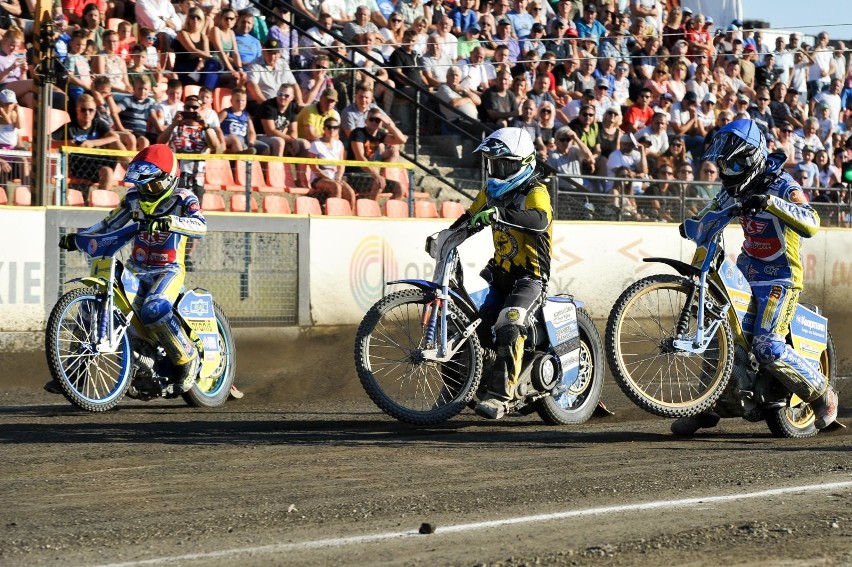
{"x":106,"y":244}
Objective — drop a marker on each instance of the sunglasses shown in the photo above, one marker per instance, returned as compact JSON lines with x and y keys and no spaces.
{"x":191,"y":108}
{"x":545,"y":111}
{"x":374,"y":119}
{"x":763,"y":99}
{"x":332,"y":127}
{"x":285,"y":95}
{"x":396,"y":21}
{"x":589,"y":114}
{"x":326,"y":68}
{"x":229,"y":19}
{"x":195,"y":17}
{"x":563,"y":139}
{"x":151,"y":37}
{"x":87,"y":110}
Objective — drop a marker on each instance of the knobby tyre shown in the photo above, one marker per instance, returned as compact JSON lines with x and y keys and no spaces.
{"x":796,"y":419}
{"x":212,"y":391}
{"x":577,"y":403}
{"x":389,"y":359}
{"x":91,"y":380}
{"x":648,"y":370}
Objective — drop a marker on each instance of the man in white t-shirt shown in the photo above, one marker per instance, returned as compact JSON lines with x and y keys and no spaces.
{"x":830,"y":98}
{"x":822,"y":65}
{"x":654,"y":136}
{"x":629,"y":157}
{"x":477,"y":73}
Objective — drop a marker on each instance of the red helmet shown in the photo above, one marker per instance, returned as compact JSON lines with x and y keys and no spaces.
{"x":154,"y":172}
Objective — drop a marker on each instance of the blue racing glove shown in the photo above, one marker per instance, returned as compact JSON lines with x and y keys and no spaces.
{"x":484,"y":217}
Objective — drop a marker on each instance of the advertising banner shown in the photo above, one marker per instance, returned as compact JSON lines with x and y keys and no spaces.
{"x":22,"y":269}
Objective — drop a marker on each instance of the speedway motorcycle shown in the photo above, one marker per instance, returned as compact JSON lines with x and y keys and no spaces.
{"x":420,"y":357}
{"x":98,"y":351}
{"x":681,"y":345}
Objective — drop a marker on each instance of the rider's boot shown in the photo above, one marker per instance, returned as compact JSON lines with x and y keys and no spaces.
{"x":686,"y":426}
{"x":825,"y":408}
{"x":504,"y":378}
{"x":185,"y":375}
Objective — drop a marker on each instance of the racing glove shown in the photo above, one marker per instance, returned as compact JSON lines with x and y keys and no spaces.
{"x":67,"y":242}
{"x":755,"y":204}
{"x":484,"y":217}
{"x":159,"y":224}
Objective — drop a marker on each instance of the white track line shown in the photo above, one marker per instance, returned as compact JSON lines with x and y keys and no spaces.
{"x":351,"y":540}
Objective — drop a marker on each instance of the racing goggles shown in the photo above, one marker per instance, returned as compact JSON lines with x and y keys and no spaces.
{"x":502,"y":168}
{"x":736,"y":166}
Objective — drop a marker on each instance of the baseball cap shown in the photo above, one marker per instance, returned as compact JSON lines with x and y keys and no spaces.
{"x":709,"y":97}
{"x":808,"y":148}
{"x":272,"y":44}
{"x":559,"y":22}
{"x":732,"y":27}
{"x":742,"y":98}
{"x":571,"y":32}
{"x":537,"y":28}
{"x":690,"y":97}
{"x":667,"y":96}
{"x":687,"y":10}
{"x":737,"y":22}
{"x":504,"y":22}
{"x":589,"y":92}
{"x":591,"y":8}
{"x":602,"y":83}
{"x":628,"y":139}
{"x":330,"y":93}
{"x":750,"y":48}
{"x":8,"y":96}
{"x":474,"y":28}
{"x":708,"y":20}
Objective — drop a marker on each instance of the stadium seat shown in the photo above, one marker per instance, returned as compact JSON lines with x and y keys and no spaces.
{"x":258,"y":181}
{"x":276,"y":204}
{"x":395,"y":208}
{"x":451,"y":209}
{"x":3,"y":199}
{"x":103,"y":198}
{"x":112,"y":23}
{"x":58,"y":119}
{"x":218,"y":176}
{"x":367,"y":208}
{"x":211,"y":202}
{"x":190,"y":90}
{"x":399,"y":175}
{"x":307,"y":206}
{"x":74,"y":198}
{"x":238,"y":204}
{"x":225,"y":102}
{"x":425,"y":210}
{"x":23,"y":196}
{"x":337,"y":207}
{"x":219,"y":94}
{"x":277,"y":176}
{"x":290,"y":182}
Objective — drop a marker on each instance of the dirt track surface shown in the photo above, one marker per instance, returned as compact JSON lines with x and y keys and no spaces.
{"x":303,"y":466}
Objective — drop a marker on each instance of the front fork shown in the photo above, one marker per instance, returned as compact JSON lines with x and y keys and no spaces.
{"x":698,"y":343}
{"x":108,"y":335}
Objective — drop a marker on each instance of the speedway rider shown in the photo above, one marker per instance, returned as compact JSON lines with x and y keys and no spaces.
{"x":516,"y":204}
{"x":776,"y":216}
{"x":169,"y":217}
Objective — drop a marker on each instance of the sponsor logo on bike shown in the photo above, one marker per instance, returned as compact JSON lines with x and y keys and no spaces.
{"x":199,"y":307}
{"x":810,"y":325}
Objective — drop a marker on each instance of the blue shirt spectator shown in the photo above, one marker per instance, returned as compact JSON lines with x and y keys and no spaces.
{"x":463,"y":17}
{"x":522,"y":21}
{"x":588,"y":25}
{"x":249,"y":48}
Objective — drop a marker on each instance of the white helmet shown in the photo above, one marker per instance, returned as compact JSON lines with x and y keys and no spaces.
{"x":509,"y":160}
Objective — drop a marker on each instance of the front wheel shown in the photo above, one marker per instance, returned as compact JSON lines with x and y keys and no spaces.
{"x":212,"y":391}
{"x":395,"y":374}
{"x":576,"y":404}
{"x":92,"y":380}
{"x":796,"y":419}
{"x":656,"y":376}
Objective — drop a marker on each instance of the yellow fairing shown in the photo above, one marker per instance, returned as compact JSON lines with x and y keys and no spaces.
{"x":122,"y":301}
{"x":202,"y":331}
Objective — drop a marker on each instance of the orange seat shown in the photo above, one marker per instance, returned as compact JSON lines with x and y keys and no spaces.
{"x":211,"y":202}
{"x":276,"y":204}
{"x":103,"y":198}
{"x":219,"y":94}
{"x":258,"y":182}
{"x":425,"y":210}
{"x":218,"y":176}
{"x":337,"y":207}
{"x":307,"y":206}
{"x":277,"y":174}
{"x":74,"y":198}
{"x":396,"y":209}
{"x":23,"y":196}
{"x":399,"y":175}
{"x":367,"y":208}
{"x":3,"y":199}
{"x":290,"y":183}
{"x":191,"y":90}
{"x":27,"y":124}
{"x":225,"y":102}
{"x":238,"y":204}
{"x":452,"y":209}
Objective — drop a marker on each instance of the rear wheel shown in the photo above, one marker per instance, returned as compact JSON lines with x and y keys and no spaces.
{"x":389,"y":358}
{"x":796,"y":419}
{"x":92,"y":380}
{"x":576,"y":404}
{"x":657,"y":377}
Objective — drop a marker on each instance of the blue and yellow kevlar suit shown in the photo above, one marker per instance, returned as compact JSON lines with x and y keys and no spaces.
{"x":771,"y":262}
{"x":158,"y":261}
{"x":519,"y":270}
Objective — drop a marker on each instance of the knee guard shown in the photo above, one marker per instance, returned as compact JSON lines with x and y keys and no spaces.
{"x":789,"y":367}
{"x":158,"y":318}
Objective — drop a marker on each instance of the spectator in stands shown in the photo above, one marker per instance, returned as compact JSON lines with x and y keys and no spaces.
{"x":498,"y":103}
{"x":164,"y":113}
{"x":761,"y":114}
{"x":240,"y":135}
{"x":504,"y":37}
{"x":547,"y":121}
{"x":663,"y":196}
{"x":264,"y":78}
{"x":585,"y":76}
{"x":565,"y":77}
{"x":77,"y":64}
{"x":160,"y":16}
{"x":655,"y":137}
{"x":327,"y":180}
{"x":355,"y":115}
{"x":639,"y":114}
{"x":93,"y":26}
{"x":311,"y":118}
{"x":528,"y":120}
{"x":276,"y":121}
{"x":412,"y":10}
{"x":602,"y":99}
{"x":314,"y":42}
{"x":798,"y":110}
{"x":86,"y":131}
{"x":678,"y":152}
{"x":378,"y":141}
{"x":821,"y":65}
{"x":826,"y":125}
{"x":609,"y":132}
{"x":807,"y":164}
{"x":787,"y":143}
{"x":477,"y":73}
{"x":706,"y":115}
{"x":831,"y":99}
{"x":463,"y":100}
{"x":189,"y":133}
{"x":629,"y":160}
{"x":223,"y":42}
{"x":316,"y":81}
{"x":356,"y":30}
{"x":829,"y":174}
{"x":570,"y":111}
{"x":110,"y":63}
{"x":108,"y":111}
{"x":588,"y":25}
{"x":686,"y":121}
{"x":568,"y":158}
{"x":134,"y":112}
{"x":248,"y":46}
{"x":809,"y":135}
{"x":434,"y":68}
{"x":780,"y":111}
{"x":586,"y":126}
{"x":463,"y":16}
{"x":10,"y":120}
{"x":194,"y":63}
{"x":540,"y":92}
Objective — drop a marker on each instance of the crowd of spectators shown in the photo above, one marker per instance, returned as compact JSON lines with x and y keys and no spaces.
{"x":623,"y":89}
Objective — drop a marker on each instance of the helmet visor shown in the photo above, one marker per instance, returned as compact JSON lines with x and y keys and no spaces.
{"x":501,"y":168}
{"x":737,"y":165}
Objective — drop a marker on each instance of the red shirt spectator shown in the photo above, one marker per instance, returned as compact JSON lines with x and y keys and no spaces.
{"x":639,"y":115}
{"x":74,"y":9}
